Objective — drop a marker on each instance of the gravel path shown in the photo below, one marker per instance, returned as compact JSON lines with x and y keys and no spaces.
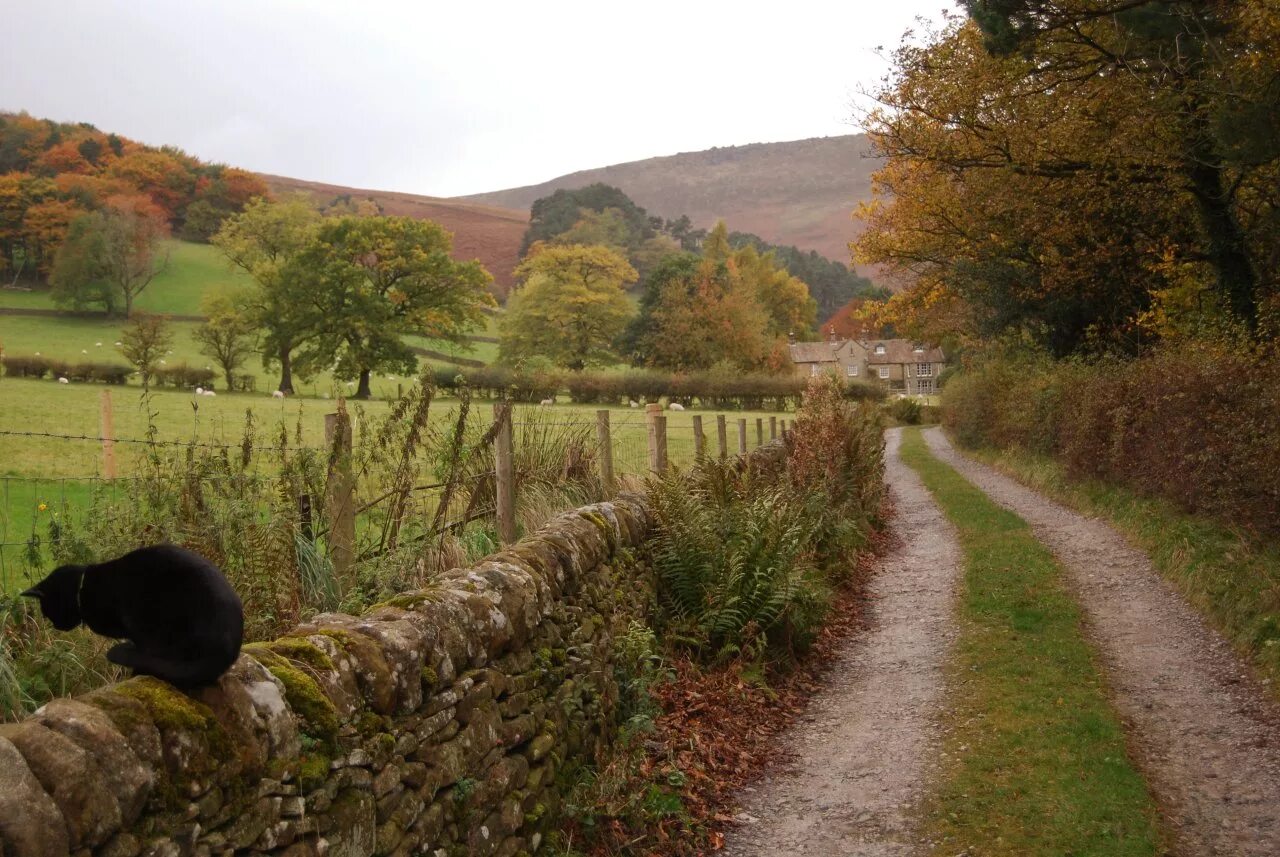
{"x":1207,"y":737}
{"x":859,"y":757}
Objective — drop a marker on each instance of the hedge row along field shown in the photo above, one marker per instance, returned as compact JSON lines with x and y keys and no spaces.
{"x":1196,"y":426}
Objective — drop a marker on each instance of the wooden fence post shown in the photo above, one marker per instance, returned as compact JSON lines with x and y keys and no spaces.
{"x":722,"y":434}
{"x":773,"y":428}
{"x":660,"y":432}
{"x":742,"y":436}
{"x":504,"y":473}
{"x":653,"y":413}
{"x":605,"y":438}
{"x":108,"y":431}
{"x":341,"y":490}
{"x":699,"y":442}
{"x":304,"y":517}
{"x":759,"y":431}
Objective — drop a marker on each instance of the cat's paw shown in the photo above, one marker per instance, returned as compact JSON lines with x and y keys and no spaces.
{"x":123,"y":654}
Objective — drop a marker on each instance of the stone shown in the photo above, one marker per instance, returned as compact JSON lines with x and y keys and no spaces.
{"x":71,"y":778}
{"x":355,"y":829}
{"x":30,"y":823}
{"x":127,"y":779}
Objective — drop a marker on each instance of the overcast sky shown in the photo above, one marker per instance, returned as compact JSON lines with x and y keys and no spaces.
{"x":447,"y":98}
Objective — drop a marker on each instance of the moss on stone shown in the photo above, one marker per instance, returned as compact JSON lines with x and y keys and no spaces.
{"x":408,"y":600}
{"x":304,"y":694}
{"x":429,"y":679}
{"x":296,"y":649}
{"x":313,"y":770}
{"x":374,"y":673}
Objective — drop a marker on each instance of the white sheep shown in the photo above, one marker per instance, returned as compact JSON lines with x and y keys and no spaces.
{"x":97,"y":345}
{"x":633,"y":403}
{"x":550,"y":401}
{"x":63,"y":381}
{"x":199,"y":391}
{"x":210,"y":393}
{"x":277,"y":394}
{"x":675,"y":406}
{"x":82,"y":351}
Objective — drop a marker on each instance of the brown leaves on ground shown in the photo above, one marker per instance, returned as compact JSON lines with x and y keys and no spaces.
{"x":716,"y":734}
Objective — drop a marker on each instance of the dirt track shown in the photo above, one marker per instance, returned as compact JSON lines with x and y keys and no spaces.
{"x":860,"y":755}
{"x":1206,"y":735}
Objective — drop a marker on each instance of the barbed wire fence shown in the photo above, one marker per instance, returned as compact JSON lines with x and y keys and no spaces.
{"x":366,"y":514}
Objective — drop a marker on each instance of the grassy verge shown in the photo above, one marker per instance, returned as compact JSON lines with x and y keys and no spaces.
{"x":1229,"y":578}
{"x":1037,"y":758}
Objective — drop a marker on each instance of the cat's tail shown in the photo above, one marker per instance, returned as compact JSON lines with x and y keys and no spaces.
{"x":178,"y":672}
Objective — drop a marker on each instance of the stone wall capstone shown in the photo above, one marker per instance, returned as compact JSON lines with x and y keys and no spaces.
{"x":435,"y":723}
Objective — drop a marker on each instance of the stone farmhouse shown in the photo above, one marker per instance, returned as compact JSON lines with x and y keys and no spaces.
{"x":906,"y":367}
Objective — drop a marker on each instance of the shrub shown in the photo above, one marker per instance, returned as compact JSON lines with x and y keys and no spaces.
{"x":1196,"y":425}
{"x":183,"y":376}
{"x":905,"y":410}
{"x":732,"y":561}
{"x":26,"y":367}
{"x":41,"y":367}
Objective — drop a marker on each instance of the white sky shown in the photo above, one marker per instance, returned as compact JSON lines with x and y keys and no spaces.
{"x":447,"y":98}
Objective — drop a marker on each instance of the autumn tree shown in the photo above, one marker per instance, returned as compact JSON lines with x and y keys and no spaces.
{"x":1065,"y":169}
{"x":695,"y":314}
{"x":371,"y":281}
{"x":143,"y":343}
{"x":110,"y":256}
{"x":265,"y":241}
{"x":571,"y":307}
{"x":228,"y":334}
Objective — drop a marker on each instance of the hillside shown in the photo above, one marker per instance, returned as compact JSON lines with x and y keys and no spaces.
{"x":485,"y":232}
{"x":802,"y":192}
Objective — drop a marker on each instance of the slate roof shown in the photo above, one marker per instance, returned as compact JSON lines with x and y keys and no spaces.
{"x":902,"y":351}
{"x":814,"y":352}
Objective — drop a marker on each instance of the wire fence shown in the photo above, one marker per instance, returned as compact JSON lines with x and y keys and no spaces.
{"x":387,"y":507}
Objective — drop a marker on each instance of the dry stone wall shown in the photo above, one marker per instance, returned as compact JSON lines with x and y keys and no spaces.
{"x":434,"y":724}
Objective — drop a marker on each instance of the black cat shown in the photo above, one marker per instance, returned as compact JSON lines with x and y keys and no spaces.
{"x":180,"y":618}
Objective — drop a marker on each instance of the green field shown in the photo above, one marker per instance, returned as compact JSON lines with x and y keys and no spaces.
{"x":193,"y":271}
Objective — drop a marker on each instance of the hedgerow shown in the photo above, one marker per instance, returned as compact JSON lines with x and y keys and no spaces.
{"x":1195,"y":425}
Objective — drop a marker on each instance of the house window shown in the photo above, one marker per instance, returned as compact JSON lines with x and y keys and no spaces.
{"x":918,"y":348}
{"x":884,"y":371}
{"x":925,"y":387}
{"x":879,"y":349}
{"x":814,"y":368}
{"x":853,"y":371}
{"x":924,"y":370}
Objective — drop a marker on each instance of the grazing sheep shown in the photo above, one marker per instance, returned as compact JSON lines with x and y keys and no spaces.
{"x":550,"y":401}
{"x":63,"y":381}
{"x":199,"y":391}
{"x":82,"y":351}
{"x":633,"y":403}
{"x":277,"y":394}
{"x":675,"y":406}
{"x":97,"y":344}
{"x":210,"y":393}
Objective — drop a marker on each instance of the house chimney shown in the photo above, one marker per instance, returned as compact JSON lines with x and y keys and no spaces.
{"x":791,"y":338}
{"x":831,"y":334}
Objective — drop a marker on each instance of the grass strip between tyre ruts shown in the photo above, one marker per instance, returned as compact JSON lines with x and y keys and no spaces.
{"x":1035,"y":758}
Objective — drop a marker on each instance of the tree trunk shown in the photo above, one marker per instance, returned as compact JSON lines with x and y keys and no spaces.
{"x":362,"y":389}
{"x":1227,"y":254}
{"x":286,"y":370}
{"x":231,"y":382}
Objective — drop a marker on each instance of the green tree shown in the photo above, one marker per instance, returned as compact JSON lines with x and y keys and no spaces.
{"x":371,"y":281}
{"x":553,"y":215}
{"x":109,"y":257}
{"x":265,"y":241}
{"x":571,"y":308}
{"x":143,"y":343}
{"x":228,"y":336}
